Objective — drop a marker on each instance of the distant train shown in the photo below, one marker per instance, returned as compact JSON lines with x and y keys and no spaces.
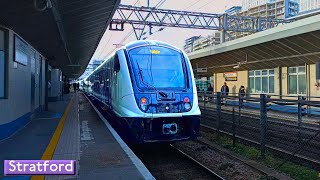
{"x":150,"y":88}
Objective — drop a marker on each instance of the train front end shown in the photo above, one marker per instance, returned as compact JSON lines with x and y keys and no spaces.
{"x":164,"y":92}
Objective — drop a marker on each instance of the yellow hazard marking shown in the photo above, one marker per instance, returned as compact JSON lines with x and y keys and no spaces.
{"x":48,"y":153}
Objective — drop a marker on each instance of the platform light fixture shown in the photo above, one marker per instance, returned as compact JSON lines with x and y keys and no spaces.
{"x":237,"y":66}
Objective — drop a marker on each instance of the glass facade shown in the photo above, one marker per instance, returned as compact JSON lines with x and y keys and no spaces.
{"x":2,"y":64}
{"x":297,"y":80}
{"x":261,"y":81}
{"x":203,"y":83}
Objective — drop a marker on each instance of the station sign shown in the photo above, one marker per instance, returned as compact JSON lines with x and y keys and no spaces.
{"x":230,"y":76}
{"x":21,"y":51}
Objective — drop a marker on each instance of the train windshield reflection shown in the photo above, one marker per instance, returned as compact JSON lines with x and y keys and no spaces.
{"x":159,"y":66}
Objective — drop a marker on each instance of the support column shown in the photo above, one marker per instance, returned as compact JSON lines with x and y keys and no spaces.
{"x":280,"y":82}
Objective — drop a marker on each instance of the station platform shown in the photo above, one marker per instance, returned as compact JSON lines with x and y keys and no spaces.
{"x":73,"y":129}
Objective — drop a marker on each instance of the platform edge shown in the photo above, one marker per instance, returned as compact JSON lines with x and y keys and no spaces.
{"x":135,"y":160}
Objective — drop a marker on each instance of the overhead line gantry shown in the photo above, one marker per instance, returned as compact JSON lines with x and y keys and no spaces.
{"x":151,"y":16}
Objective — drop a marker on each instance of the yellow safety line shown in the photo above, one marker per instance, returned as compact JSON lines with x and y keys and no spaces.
{"x":48,"y":153}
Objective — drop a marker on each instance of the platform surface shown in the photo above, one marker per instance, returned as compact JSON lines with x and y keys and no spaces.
{"x":85,"y":137}
{"x":31,"y":141}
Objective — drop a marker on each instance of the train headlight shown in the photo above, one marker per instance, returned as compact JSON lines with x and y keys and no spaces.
{"x":187,"y":106}
{"x":144,"y":104}
{"x":143,"y":100}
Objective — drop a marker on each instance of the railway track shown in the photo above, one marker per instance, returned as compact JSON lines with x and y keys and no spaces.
{"x":166,"y":161}
{"x":282,"y":137}
{"x":269,"y":173}
{"x":280,"y":141}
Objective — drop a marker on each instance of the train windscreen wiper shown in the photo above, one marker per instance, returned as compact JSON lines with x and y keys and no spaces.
{"x":141,"y":76}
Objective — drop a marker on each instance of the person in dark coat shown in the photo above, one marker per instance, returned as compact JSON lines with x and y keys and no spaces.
{"x":209,"y":91}
{"x":224,"y":92}
{"x":74,"y":87}
{"x":210,"y":88}
{"x":242,"y":93}
{"x":225,"y":89}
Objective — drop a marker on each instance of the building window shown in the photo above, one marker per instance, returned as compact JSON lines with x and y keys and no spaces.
{"x":261,"y":81}
{"x":203,"y":82}
{"x":297,"y":80}
{"x":2,"y":64}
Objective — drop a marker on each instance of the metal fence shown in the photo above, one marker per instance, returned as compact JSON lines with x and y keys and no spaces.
{"x":287,"y":125}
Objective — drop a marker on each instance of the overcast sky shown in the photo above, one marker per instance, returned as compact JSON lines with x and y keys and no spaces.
{"x":174,"y":36}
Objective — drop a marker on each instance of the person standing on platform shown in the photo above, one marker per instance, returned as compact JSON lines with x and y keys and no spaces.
{"x":242,"y":93}
{"x":209,"y":91}
{"x":224,"y":93}
{"x":68,"y":88}
{"x":74,"y":87}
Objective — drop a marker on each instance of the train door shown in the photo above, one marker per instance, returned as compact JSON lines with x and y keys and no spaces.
{"x":112,"y":84}
{"x":40,"y":80}
{"x":116,"y":69}
{"x":105,"y":83}
{"x":37,"y":91}
{"x":109,"y":82}
{"x":33,"y":86}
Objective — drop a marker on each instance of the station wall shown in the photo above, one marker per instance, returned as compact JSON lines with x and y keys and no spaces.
{"x":233,"y":85}
{"x":25,"y":86}
{"x":285,"y":81}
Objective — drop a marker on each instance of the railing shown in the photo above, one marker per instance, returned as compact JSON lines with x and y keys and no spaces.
{"x":285,"y":124}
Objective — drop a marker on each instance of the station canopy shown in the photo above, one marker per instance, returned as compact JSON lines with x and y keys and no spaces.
{"x":293,"y":44}
{"x":67,"y":34}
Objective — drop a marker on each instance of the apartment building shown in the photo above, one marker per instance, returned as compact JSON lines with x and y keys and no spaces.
{"x":233,"y":10}
{"x":210,"y":40}
{"x":308,"y":5}
{"x":188,"y":43}
{"x":278,"y":9}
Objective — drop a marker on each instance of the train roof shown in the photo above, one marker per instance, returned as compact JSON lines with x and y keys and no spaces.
{"x":148,"y":42}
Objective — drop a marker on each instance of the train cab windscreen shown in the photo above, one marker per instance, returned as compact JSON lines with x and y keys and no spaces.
{"x":157,"y":66}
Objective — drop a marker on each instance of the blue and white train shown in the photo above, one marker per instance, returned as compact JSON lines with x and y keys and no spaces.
{"x":150,"y":88}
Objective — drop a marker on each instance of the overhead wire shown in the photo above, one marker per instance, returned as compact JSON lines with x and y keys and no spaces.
{"x":132,"y":31}
{"x":196,"y":2}
{"x":105,"y":45}
{"x":161,"y":2}
{"x":125,"y":38}
{"x":210,"y":1}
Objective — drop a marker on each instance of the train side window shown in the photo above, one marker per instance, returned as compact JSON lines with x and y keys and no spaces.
{"x":116,"y":65}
